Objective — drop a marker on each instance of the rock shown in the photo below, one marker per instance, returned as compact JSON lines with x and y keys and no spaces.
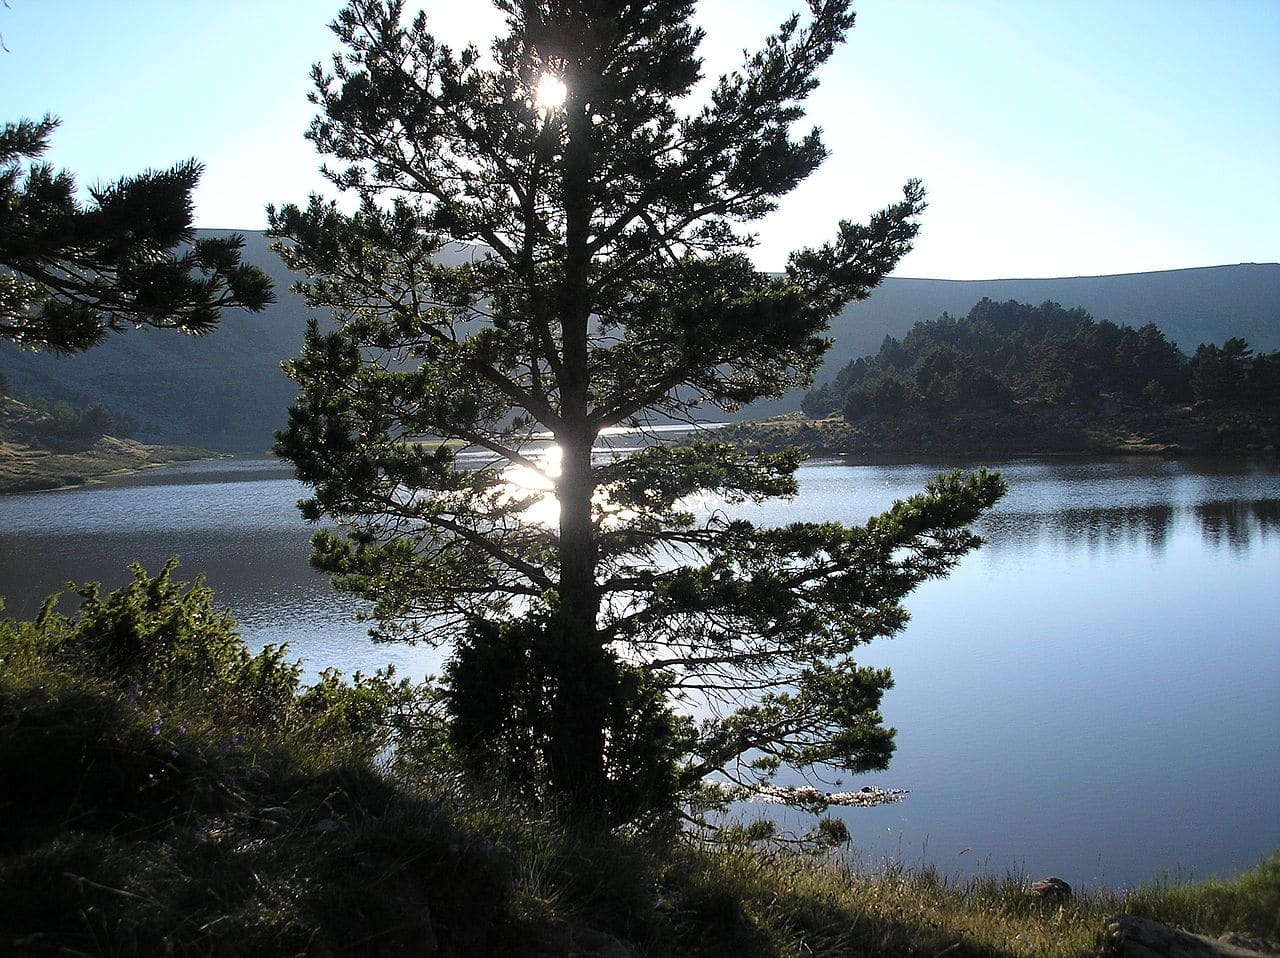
{"x":1248,"y":941}
{"x":588,"y":943}
{"x":1052,"y":889}
{"x":556,"y":938}
{"x":1129,"y":936}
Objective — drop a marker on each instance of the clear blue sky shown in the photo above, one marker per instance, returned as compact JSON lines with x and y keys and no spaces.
{"x":1055,"y":137}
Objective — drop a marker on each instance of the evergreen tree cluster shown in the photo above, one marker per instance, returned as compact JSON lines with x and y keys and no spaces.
{"x":1002,"y":353}
{"x":78,"y":424}
{"x":60,"y":425}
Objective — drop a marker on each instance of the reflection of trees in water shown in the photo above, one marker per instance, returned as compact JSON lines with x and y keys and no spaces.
{"x":1236,"y":522}
{"x":1099,"y":527}
{"x":1230,"y":523}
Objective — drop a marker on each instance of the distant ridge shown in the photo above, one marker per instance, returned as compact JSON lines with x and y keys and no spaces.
{"x":1038,"y":279}
{"x":1190,"y":306}
{"x":225,"y":391}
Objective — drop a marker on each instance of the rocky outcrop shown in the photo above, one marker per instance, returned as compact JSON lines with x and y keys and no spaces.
{"x":1051,"y":889}
{"x":556,"y":938}
{"x":1129,"y":936}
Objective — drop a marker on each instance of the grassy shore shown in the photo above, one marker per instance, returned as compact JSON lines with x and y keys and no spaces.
{"x":1110,"y":427}
{"x":166,"y":792}
{"x":25,"y":468}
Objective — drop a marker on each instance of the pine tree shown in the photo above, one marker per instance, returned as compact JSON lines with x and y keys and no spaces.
{"x":69,"y":274}
{"x":607,"y":286}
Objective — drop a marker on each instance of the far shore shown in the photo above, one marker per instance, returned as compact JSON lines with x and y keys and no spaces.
{"x":28,"y":469}
{"x":1110,"y":428}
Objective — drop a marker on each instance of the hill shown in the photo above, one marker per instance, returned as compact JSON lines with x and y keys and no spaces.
{"x":225,"y":391}
{"x":221,"y":391}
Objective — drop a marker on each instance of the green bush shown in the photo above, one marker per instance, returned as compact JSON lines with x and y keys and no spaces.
{"x":169,"y":792}
{"x":501,"y":698}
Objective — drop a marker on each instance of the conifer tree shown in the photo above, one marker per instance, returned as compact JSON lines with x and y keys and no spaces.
{"x":70,"y":274}
{"x":607,"y":286}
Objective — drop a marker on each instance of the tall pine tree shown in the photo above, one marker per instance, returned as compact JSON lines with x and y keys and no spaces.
{"x":607,"y":286}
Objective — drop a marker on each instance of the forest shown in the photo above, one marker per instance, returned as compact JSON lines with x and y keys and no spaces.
{"x":1001,"y":354}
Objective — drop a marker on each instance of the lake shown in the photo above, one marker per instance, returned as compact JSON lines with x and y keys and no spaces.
{"x":1094,"y":694}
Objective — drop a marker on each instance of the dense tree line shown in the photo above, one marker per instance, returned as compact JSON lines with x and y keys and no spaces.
{"x":61,"y":424}
{"x":1001,"y":353}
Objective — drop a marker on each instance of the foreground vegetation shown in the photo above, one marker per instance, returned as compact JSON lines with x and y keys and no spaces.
{"x":168,"y":792}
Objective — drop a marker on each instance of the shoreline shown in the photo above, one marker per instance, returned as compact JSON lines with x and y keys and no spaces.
{"x":24,"y":469}
{"x":1111,"y":428}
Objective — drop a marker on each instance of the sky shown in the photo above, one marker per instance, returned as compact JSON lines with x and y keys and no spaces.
{"x":1055,"y":137}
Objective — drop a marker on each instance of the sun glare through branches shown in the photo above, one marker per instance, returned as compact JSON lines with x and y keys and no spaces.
{"x":550,"y":94}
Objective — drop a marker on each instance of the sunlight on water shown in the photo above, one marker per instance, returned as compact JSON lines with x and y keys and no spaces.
{"x":541,"y":478}
{"x":524,"y":480}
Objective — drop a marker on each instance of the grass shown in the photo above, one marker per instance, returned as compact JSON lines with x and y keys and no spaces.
{"x":26,"y":468}
{"x":823,"y":907}
{"x":136,"y":826}
{"x":165,"y":792}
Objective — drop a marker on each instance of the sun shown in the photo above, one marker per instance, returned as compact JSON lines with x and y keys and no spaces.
{"x":550,"y":93}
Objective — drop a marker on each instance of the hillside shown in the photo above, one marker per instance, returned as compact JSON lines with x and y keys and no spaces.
{"x":225,"y":391}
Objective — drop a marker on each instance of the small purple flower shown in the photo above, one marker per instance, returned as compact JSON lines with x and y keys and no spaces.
{"x":155,"y":724}
{"x":181,"y":730}
{"x":131,"y":697}
{"x":231,"y":744}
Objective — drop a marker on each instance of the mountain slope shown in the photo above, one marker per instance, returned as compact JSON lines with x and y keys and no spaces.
{"x":225,"y":391}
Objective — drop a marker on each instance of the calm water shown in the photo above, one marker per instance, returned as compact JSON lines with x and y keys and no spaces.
{"x":1094,"y":694}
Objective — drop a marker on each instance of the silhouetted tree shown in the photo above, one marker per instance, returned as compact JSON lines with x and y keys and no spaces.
{"x":608,"y":287}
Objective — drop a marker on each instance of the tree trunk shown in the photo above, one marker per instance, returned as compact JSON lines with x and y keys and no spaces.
{"x":584,"y":669}
{"x":584,"y":672}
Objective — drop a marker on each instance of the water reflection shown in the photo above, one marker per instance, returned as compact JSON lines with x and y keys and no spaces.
{"x":1236,"y":523}
{"x":1095,"y":529}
